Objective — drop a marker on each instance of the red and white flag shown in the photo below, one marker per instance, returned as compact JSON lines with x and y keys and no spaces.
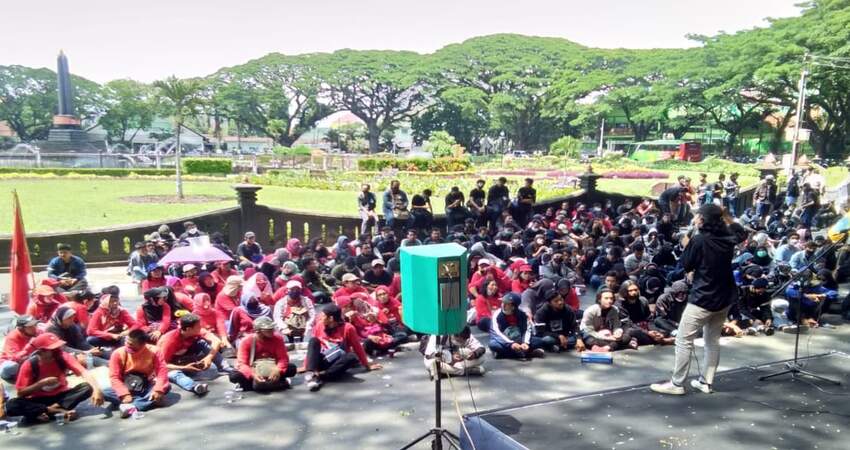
{"x":20,"y":266}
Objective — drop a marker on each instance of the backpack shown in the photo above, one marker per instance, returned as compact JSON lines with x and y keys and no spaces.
{"x":297,"y":318}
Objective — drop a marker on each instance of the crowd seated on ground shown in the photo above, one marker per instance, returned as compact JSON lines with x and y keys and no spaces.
{"x":528,"y":267}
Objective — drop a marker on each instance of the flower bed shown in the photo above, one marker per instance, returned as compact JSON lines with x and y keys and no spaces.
{"x":616,"y":174}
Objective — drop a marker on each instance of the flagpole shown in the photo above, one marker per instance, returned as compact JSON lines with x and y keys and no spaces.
{"x":20,"y":217}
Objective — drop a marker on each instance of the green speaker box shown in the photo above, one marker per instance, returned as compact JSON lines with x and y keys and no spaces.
{"x":433,"y":288}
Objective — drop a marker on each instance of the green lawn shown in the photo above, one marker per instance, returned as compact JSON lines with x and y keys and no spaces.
{"x":57,"y":204}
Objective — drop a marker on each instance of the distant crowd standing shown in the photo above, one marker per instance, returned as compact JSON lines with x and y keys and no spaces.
{"x":342,"y":302}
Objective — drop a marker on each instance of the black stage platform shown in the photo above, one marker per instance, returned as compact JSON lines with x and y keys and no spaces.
{"x":742,"y":413}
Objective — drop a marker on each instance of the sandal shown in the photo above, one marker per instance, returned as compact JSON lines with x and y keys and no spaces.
{"x":633,"y":344}
{"x":70,"y":416}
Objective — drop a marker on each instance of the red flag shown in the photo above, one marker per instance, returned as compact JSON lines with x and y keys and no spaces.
{"x":21,"y":269}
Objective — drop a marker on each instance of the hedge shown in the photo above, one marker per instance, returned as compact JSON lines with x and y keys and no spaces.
{"x":112,"y":172}
{"x":415,"y":164}
{"x":215,"y":166}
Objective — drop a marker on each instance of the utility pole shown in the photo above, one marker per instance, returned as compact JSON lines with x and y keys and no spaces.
{"x":601,"y":138}
{"x":801,"y":106}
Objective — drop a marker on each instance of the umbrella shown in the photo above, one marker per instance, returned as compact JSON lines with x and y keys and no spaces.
{"x":199,"y":250}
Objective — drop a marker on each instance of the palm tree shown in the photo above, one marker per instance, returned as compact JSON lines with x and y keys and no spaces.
{"x":181,"y":99}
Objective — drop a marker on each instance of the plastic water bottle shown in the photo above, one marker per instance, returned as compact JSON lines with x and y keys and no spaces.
{"x":138,"y":415}
{"x":228,"y":396}
{"x":60,"y":419}
{"x":11,"y":428}
{"x":89,"y":361}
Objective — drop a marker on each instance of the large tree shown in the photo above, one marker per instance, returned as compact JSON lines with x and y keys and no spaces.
{"x":130,"y":106}
{"x":276,"y":96}
{"x":28,"y":100}
{"x":381,"y":88}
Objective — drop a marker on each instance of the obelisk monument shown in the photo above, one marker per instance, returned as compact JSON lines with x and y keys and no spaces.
{"x":66,"y":134}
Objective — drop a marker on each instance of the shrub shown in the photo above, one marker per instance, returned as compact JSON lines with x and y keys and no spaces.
{"x":414,"y":164}
{"x":566,"y":146}
{"x":441,"y":144}
{"x":214,"y":166}
{"x":298,"y":150}
{"x":112,"y":172}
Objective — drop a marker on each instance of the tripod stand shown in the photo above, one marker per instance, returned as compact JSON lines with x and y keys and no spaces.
{"x":794,"y":367}
{"x":438,"y":433}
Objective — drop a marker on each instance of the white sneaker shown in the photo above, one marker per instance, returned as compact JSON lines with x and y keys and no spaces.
{"x":478,"y":370}
{"x":201,"y":389}
{"x":127,"y":410}
{"x":313,"y":382}
{"x":667,"y":388}
{"x":699,"y":385}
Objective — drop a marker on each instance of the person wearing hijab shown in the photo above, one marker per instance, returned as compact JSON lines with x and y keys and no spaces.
{"x":258,"y":285}
{"x":287,"y":270}
{"x":242,"y":317}
{"x":110,"y":324}
{"x":294,"y":247}
{"x":228,"y":298}
{"x":211,"y":319}
{"x":155,"y":315}
{"x":294,"y":314}
{"x":63,"y":324}
{"x":342,"y":249}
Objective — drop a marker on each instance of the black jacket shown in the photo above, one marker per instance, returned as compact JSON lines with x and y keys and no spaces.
{"x":709,"y":256}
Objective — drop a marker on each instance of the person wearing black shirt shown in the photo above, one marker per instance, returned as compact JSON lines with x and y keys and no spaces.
{"x":420,"y":210}
{"x":456,"y":211}
{"x":378,"y":276}
{"x":249,"y":251}
{"x":753,"y":307}
{"x":366,"y":203}
{"x":670,"y":195}
{"x":476,"y":204}
{"x":498,"y":199}
{"x":708,"y":255}
{"x":526,"y":196}
{"x":556,"y":324}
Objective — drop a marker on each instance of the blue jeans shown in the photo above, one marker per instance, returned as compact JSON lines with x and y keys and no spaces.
{"x":9,"y":371}
{"x":596,"y":281}
{"x":141,"y":402}
{"x":501,"y":350}
{"x":199,"y":349}
{"x":484,"y":324}
{"x":550,"y":341}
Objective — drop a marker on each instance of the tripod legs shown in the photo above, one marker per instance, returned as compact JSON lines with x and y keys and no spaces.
{"x":439,"y":435}
{"x":795,"y":371}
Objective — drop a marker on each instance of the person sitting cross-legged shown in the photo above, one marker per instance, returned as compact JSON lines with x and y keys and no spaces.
{"x":138,"y":376}
{"x":556,"y":324}
{"x":42,"y":386}
{"x":510,"y":335}
{"x":334,"y":348}
{"x":110,"y":324}
{"x":600,"y":325}
{"x":16,"y":347}
{"x":189,"y":351}
{"x":461,"y":354}
{"x":263,"y":363}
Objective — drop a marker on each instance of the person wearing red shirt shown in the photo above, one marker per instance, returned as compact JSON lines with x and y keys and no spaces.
{"x":487,"y":303}
{"x":211,"y":320}
{"x":155,"y":279}
{"x":15,"y":347}
{"x":42,"y":386}
{"x":350,"y":285}
{"x":139,"y":359}
{"x":44,"y":302}
{"x":485,"y":268}
{"x":522,"y":280}
{"x":154,"y":316}
{"x":208,"y":285}
{"x":190,"y":278}
{"x":262,"y":361}
{"x":223,"y":271}
{"x":228,"y":298}
{"x":109,"y":324}
{"x":80,"y":302}
{"x":334,"y":348}
{"x":188,"y":351}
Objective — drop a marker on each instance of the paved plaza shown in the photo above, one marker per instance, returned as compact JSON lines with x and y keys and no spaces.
{"x":378,"y":410}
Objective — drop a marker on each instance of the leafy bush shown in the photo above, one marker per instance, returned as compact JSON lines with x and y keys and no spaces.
{"x":113,"y":172}
{"x":710,"y":164}
{"x":566,"y":146}
{"x":298,"y":150}
{"x":414,"y":164}
{"x":441,"y":144}
{"x":214,"y":166}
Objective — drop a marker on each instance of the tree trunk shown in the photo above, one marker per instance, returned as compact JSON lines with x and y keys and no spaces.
{"x":178,"y":170}
{"x":374,"y":136}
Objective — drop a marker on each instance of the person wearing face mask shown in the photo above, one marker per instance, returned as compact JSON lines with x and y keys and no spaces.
{"x":192,"y":231}
{"x":802,"y":258}
{"x":138,"y":376}
{"x":555,"y":267}
{"x":294,"y":314}
{"x":785,"y":251}
{"x":485,"y":270}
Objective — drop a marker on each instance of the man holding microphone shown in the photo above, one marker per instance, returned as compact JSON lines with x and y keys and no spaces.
{"x":708,"y":259}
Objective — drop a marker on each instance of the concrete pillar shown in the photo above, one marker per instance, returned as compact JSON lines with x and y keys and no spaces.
{"x":247,"y":198}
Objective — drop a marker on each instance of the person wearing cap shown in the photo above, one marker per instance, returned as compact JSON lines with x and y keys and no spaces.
{"x":262,"y":360}
{"x":708,"y":256}
{"x":189,"y":351}
{"x":334,"y":349}
{"x":82,"y":302}
{"x":138,"y":376}
{"x":350,"y":285}
{"x":110,"y":323}
{"x":487,"y":269}
{"x":523,"y":279}
{"x":140,"y":259}
{"x":510,"y":335}
{"x":68,"y":269}
{"x":45,"y":300}
{"x":15,"y":346}
{"x":294,"y":314}
{"x":155,"y":277}
{"x":556,"y":324}
{"x":378,"y":276}
{"x":42,"y":386}
{"x":249,"y":251}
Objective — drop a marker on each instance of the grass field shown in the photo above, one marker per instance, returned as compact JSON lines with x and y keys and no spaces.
{"x":58,"y":204}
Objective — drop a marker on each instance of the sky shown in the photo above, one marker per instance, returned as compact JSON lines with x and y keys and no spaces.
{"x":152,"y":39}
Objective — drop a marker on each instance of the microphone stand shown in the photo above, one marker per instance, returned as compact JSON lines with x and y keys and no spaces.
{"x":794,"y":367}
